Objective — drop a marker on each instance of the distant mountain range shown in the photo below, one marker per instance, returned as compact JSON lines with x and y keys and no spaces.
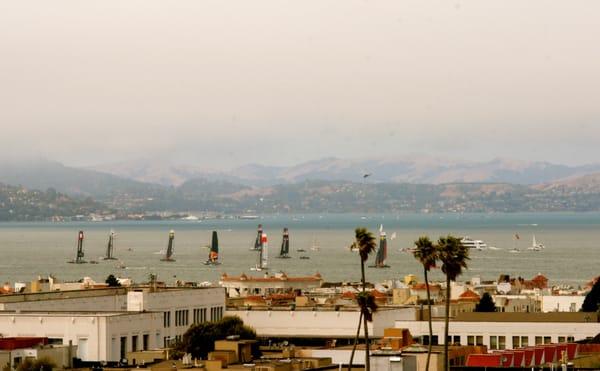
{"x":327,"y":185}
{"x":414,"y":169}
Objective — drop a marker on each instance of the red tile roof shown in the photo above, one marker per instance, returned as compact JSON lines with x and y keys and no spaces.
{"x":316,"y":278}
{"x":469,"y":295}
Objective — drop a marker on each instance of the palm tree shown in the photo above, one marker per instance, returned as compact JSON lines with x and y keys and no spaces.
{"x":453,"y":255}
{"x":426,"y":253}
{"x":365,"y":242}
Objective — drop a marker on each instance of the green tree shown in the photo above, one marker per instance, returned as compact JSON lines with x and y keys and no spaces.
{"x":365,"y":242}
{"x":426,"y":253}
{"x":486,"y":304}
{"x":592,"y":299}
{"x":112,"y":281}
{"x":200,"y":338}
{"x":453,"y":256}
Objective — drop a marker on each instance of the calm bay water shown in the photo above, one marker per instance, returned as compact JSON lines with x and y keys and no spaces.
{"x":571,"y":256}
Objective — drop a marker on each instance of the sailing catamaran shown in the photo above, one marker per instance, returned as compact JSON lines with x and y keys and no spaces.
{"x":110,"y":248}
{"x":263,"y":256}
{"x":382,"y":251}
{"x":168,"y":256}
{"x":257,"y":242}
{"x":536,"y":246}
{"x":285,"y":245}
{"x":80,"y":254}
{"x":213,"y":255}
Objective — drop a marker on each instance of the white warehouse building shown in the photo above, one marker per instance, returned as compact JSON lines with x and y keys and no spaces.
{"x":175,"y":309}
{"x":105,"y":336}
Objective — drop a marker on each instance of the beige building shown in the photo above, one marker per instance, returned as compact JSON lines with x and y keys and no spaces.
{"x":243,"y":285}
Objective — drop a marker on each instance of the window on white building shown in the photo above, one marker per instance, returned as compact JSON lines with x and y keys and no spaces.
{"x":479,"y":340}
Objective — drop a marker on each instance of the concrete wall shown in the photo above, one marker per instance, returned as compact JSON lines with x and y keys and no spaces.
{"x":308,"y":323}
{"x":562,"y":303}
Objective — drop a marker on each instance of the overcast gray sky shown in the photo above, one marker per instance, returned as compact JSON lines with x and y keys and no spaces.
{"x":280,"y":82}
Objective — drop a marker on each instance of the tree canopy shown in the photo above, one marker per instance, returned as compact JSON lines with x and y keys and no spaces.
{"x":592,"y":299}
{"x":199,"y":339}
{"x":486,"y":304}
{"x":112,"y":281}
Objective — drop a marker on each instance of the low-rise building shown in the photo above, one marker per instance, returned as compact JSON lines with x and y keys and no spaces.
{"x":243,"y":285}
{"x":500,"y":331}
{"x":98,"y":336}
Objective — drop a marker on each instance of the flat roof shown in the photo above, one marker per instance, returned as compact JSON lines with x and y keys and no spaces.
{"x":87,"y":293}
{"x":69,"y":313}
{"x":526,"y":317}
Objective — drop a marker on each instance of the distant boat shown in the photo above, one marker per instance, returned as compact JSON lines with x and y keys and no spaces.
{"x":80,"y":254}
{"x":248,"y":217}
{"x":110,"y":248}
{"x":514,"y":248}
{"x":213,"y":255}
{"x":258,"y":239}
{"x":169,"y":254}
{"x":536,"y":246}
{"x":304,"y":257}
{"x":381,"y":255}
{"x":473,"y":244}
{"x":285,"y":245}
{"x":263,"y":257}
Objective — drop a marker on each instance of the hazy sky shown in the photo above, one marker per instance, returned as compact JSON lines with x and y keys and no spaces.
{"x":278,"y":82}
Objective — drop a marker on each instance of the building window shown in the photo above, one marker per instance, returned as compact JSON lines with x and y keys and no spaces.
{"x":493,"y":342}
{"x":539,"y":340}
{"x":524,"y":341}
{"x":456,"y":340}
{"x":516,"y":342}
{"x":479,"y":340}
{"x":570,"y":339}
{"x":501,"y":342}
{"x":562,"y":339}
{"x":145,"y":340}
{"x":167,"y":319}
{"x":547,"y":340}
{"x":470,"y":340}
{"x":123,"y":349}
{"x":134,"y":343}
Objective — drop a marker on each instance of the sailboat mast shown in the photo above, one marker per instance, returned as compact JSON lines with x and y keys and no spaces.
{"x":170,"y":245}
{"x":258,"y":241}
{"x":285,"y":243}
{"x":213,"y":255}
{"x":264,"y":251}
{"x":110,"y":247}
{"x":80,"y":254}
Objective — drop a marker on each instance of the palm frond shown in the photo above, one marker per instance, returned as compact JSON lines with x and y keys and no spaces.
{"x":365,"y":242}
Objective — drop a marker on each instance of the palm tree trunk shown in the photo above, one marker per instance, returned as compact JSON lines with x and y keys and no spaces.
{"x":355,"y":341}
{"x":447,"y":325}
{"x":430,"y":346}
{"x":364,"y":289}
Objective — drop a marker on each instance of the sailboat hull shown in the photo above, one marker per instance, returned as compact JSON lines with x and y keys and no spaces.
{"x":379,"y":266}
{"x":211,"y":263}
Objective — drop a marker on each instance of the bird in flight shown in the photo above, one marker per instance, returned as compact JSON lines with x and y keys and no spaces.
{"x":365,"y":176}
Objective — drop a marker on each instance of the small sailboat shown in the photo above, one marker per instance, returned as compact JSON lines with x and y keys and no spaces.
{"x":257,"y":241}
{"x":110,"y":248}
{"x":169,"y":254}
{"x":536,"y":246}
{"x":213,"y":255}
{"x":381,"y":255}
{"x":285,"y":245}
{"x":263,"y":257}
{"x":79,"y":257}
